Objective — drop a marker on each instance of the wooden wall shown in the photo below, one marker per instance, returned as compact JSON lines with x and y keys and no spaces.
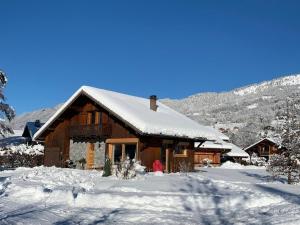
{"x":57,"y":142}
{"x":213,"y":155}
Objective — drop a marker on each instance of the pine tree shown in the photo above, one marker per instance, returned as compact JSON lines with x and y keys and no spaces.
{"x":107,"y":168}
{"x":7,"y":113}
{"x":286,"y":163}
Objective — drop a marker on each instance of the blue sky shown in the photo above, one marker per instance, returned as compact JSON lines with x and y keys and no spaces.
{"x":169,"y":48}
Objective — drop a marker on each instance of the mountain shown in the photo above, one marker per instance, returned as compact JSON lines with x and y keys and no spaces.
{"x":42,"y":114}
{"x":241,"y":113}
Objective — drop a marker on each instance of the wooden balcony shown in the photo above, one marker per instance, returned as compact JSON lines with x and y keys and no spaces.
{"x":90,"y":131}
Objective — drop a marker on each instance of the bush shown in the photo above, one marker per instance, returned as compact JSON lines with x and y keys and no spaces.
{"x":22,"y":155}
{"x":107,"y":168}
{"x":206,"y":162}
{"x":258,"y":161}
{"x":82,"y":162}
{"x":255,"y":160}
{"x":184,"y":166}
{"x":128,"y":169}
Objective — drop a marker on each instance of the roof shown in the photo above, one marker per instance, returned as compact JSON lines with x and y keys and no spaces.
{"x":236,"y":152}
{"x":218,"y":133}
{"x":268,"y":139}
{"x":214,"y":145}
{"x":135,"y":111}
{"x":31,"y":128}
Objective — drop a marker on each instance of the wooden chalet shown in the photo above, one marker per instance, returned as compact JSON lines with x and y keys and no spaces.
{"x":263,"y":148}
{"x":96,"y":123}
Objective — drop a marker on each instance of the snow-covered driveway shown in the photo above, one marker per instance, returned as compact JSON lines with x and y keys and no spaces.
{"x":211,"y":196}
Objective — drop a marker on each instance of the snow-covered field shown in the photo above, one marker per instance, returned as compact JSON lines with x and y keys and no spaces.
{"x":210,"y":196}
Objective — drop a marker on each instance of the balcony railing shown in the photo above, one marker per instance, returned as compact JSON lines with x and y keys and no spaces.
{"x":90,"y":131}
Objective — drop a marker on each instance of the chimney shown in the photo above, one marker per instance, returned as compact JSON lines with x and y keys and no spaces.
{"x":37,"y":123}
{"x":153,"y":105}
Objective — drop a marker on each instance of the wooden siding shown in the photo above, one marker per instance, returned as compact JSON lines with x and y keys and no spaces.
{"x":213,"y":155}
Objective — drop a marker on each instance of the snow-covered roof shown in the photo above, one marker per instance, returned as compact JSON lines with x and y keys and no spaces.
{"x":31,"y":128}
{"x":213,"y":145}
{"x":236,"y":151}
{"x":268,"y":139}
{"x":135,"y":111}
{"x":218,"y":133}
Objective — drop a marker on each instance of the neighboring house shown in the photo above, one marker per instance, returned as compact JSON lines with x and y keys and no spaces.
{"x":218,"y":151}
{"x":95,"y":123}
{"x":263,"y":148}
{"x":30,"y":129}
{"x":210,"y":150}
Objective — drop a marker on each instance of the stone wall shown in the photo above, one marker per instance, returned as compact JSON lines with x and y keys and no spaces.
{"x":78,"y":151}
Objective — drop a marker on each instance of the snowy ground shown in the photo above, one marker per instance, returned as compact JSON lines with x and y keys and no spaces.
{"x":210,"y":196}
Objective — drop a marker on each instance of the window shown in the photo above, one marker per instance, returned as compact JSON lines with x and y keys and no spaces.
{"x":117,"y":153}
{"x":130,"y":150}
{"x":181,"y":149}
{"x":94,"y":117}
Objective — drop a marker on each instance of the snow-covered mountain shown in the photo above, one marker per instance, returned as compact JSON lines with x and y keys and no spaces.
{"x":291,"y":80}
{"x":240,"y":113}
{"x":42,"y":114}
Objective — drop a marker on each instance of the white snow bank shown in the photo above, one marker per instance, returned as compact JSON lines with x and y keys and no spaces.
{"x":49,"y":195}
{"x":232,"y":165}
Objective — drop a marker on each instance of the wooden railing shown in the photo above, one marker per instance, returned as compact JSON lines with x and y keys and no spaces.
{"x":90,"y":131}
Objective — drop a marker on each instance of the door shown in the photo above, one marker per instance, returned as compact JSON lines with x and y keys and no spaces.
{"x":90,"y":156}
{"x":52,"y":156}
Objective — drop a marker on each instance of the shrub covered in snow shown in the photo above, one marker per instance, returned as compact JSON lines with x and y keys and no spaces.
{"x":128,"y":169}
{"x":206,"y":162}
{"x":255,"y":160}
{"x":13,"y":156}
{"x":22,"y":149}
{"x":184,"y":166}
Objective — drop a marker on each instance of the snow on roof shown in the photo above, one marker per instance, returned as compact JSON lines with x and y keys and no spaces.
{"x":137,"y":113}
{"x":32,"y":128}
{"x":213,"y":145}
{"x":236,"y":151}
{"x":268,"y":139}
{"x":218,"y":133}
